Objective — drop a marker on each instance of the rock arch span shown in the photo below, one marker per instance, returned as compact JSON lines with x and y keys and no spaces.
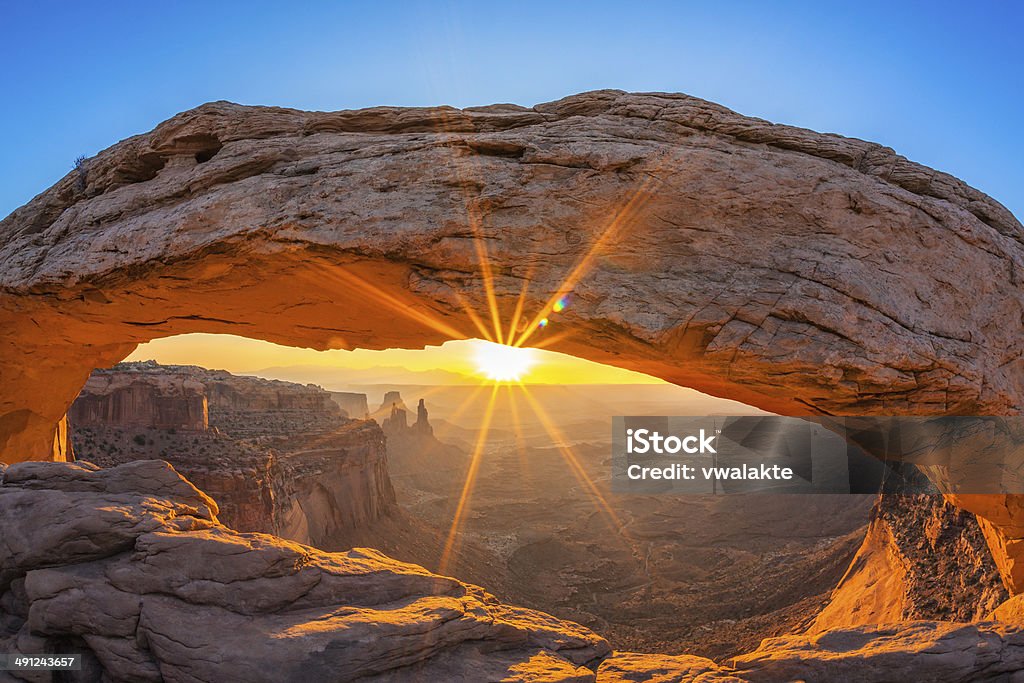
{"x":799,"y":272}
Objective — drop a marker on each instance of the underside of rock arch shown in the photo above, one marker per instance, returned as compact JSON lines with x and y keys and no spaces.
{"x":799,"y":272}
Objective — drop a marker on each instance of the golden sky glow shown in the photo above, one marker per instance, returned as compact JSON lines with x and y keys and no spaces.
{"x":472,"y":359}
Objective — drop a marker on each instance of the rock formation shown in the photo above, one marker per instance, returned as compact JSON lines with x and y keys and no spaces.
{"x":795,"y":271}
{"x":122,"y":564}
{"x":132,"y":397}
{"x":352,"y":403}
{"x":922,"y":558}
{"x":393,"y":417}
{"x":279,"y":457}
{"x":411,"y":446}
{"x":422,"y":424}
{"x":334,"y":484}
{"x":397,"y":421}
{"x":915,"y":651}
{"x":392,"y":400}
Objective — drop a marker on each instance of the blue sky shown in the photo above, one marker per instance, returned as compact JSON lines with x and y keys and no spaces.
{"x":939,"y":82}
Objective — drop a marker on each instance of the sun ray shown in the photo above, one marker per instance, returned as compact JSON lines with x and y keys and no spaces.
{"x":553,"y":339}
{"x":474,"y":317}
{"x":464,"y":175}
{"x":485,"y":269}
{"x":612,"y":519}
{"x":621,"y":218}
{"x":462,"y":407}
{"x":517,"y":426}
{"x":517,"y":313}
{"x":559,"y":440}
{"x":406,"y":309}
{"x":447,"y":553}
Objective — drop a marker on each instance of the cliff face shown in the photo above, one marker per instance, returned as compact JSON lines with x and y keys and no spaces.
{"x":279,"y":457}
{"x":922,"y":558}
{"x":354,"y":404}
{"x":334,"y":484}
{"x":138,"y":397}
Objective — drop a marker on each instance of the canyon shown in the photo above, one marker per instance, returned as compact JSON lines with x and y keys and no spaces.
{"x":817,"y":280}
{"x":280,"y":458}
{"x":121,"y":564}
{"x":658,"y":583}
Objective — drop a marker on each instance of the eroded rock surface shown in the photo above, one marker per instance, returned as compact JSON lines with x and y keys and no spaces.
{"x":631,"y":667}
{"x":914,"y":651}
{"x":131,"y":565}
{"x":922,"y":558}
{"x":132,"y":568}
{"x":931,"y":651}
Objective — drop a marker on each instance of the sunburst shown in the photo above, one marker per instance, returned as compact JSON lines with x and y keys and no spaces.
{"x":501,"y":354}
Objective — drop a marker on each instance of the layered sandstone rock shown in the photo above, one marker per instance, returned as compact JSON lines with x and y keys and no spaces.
{"x":130,"y":566}
{"x":135,"y":396}
{"x":279,"y":457}
{"x":333,"y":485}
{"x":922,"y":558}
{"x":795,"y":271}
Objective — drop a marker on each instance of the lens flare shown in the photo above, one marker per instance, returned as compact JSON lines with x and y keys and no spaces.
{"x":503,"y":363}
{"x":560,"y":305}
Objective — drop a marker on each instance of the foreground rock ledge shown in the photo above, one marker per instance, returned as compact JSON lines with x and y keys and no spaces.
{"x":131,"y":566}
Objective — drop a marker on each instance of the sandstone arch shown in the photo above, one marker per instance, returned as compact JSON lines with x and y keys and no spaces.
{"x":796,"y":271}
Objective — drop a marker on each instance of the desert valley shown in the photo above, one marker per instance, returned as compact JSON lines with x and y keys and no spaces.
{"x":697,"y":574}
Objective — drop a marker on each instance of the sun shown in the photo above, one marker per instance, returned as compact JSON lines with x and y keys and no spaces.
{"x":502,"y":363}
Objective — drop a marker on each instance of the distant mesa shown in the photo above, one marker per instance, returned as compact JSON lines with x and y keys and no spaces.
{"x":143,"y":395}
{"x":392,"y":399}
{"x":354,"y":404}
{"x":147,"y":394}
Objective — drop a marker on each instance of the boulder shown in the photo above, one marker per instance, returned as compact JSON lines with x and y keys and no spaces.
{"x":938,"y":652}
{"x":130,"y":566}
